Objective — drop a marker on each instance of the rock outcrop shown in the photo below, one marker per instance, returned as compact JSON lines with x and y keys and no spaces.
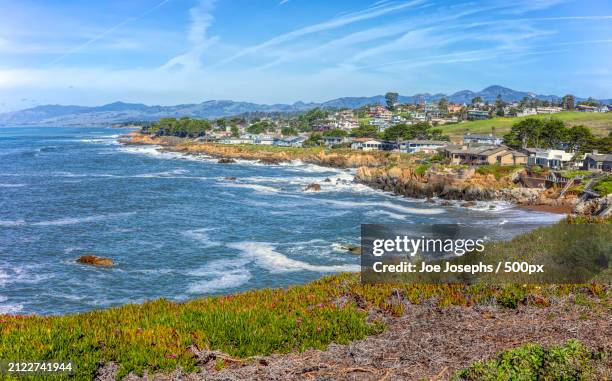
{"x":594,"y":207}
{"x":313,"y":187}
{"x":95,"y":261}
{"x":225,"y":160}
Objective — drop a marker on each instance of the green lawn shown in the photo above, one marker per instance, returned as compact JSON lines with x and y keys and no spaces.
{"x":601,"y":123}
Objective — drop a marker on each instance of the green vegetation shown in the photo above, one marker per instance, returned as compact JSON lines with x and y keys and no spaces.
{"x":289,"y":131}
{"x":365,"y":131}
{"x":551,"y":133}
{"x":571,"y":361}
{"x":184,"y":127}
{"x":260,"y":127}
{"x":498,"y":171}
{"x":603,"y":186}
{"x":571,"y":173}
{"x":421,"y":130}
{"x":599,"y":123}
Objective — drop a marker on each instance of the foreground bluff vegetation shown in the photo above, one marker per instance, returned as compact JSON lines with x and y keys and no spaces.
{"x":161,"y":335}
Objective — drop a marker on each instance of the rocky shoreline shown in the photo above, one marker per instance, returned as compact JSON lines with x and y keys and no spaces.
{"x":378,"y":170}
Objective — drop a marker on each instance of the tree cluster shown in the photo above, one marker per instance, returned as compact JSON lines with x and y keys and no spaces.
{"x":553,"y":133}
{"x":184,"y":127}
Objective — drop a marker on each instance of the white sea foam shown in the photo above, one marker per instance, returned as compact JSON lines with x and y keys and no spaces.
{"x":79,"y":220}
{"x":9,"y":223}
{"x":385,"y":204}
{"x":264,"y":255}
{"x":228,"y":279}
{"x":202,"y":237}
{"x":221,"y":274}
{"x":385,"y":213}
{"x":255,"y":187}
{"x":12,"y":185}
{"x":9,"y":308}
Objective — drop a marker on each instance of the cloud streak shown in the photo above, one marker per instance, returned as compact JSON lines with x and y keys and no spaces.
{"x":201,"y":20}
{"x":108,"y":32}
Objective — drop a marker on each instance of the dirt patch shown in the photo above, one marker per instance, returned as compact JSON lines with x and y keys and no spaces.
{"x":427,"y":342}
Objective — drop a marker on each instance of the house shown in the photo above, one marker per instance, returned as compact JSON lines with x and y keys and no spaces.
{"x":550,"y":158}
{"x":598,"y":162}
{"x":243,"y":139}
{"x":526,"y":112}
{"x":367,"y":144}
{"x":586,"y":108}
{"x":266,"y":140}
{"x":484,"y":154}
{"x":333,"y":140}
{"x":413,"y":146}
{"x":482,"y":139}
{"x":453,"y":108}
{"x":548,"y":110}
{"x":382,"y":124}
{"x":292,"y":141}
{"x":478,"y":115}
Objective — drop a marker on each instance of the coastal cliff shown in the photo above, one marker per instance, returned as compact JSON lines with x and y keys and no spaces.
{"x":265,"y":154}
{"x":403,"y":176}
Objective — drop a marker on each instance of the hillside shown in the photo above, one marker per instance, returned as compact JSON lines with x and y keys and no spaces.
{"x":600,"y":123}
{"x":117,"y":112}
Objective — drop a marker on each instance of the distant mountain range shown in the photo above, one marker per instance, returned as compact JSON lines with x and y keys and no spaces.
{"x":118,"y":112}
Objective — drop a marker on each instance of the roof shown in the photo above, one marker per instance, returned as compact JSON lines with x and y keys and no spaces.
{"x":478,"y":150}
{"x":417,"y":141}
{"x":599,"y":156}
{"x":480,"y":136}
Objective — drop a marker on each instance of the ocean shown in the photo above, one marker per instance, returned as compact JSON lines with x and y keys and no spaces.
{"x":178,"y":226}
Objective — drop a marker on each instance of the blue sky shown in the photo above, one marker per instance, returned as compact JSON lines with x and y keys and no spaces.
{"x":267,"y":51}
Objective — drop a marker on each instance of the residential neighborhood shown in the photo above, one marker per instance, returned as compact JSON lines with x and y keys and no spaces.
{"x":419,"y":128}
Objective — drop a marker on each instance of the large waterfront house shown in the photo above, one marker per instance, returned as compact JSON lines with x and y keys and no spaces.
{"x":367,"y":144}
{"x":243,"y":139}
{"x":549,"y":158}
{"x":482,"y":139}
{"x":291,"y":141}
{"x":597,"y":162}
{"x":330,"y":141}
{"x":266,"y":140}
{"x":548,"y":110}
{"x":484,"y":154}
{"x":478,"y":114}
{"x":413,"y":146}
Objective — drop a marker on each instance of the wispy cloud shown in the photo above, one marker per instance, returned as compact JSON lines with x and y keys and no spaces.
{"x":201,"y":20}
{"x":350,"y":18}
{"x":108,"y":32}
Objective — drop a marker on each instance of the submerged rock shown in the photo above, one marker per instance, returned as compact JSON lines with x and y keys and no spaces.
{"x":95,"y":261}
{"x":226,"y":160}
{"x":313,"y":187}
{"x":270,"y":160}
{"x":469,"y":204}
{"x":353,"y":249}
{"x":230,"y":178}
{"x":327,"y":180}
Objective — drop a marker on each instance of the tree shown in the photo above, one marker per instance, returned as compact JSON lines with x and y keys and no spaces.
{"x":567,"y":102}
{"x":476,"y":100}
{"x":365,"y":131}
{"x":524,"y":133}
{"x":499,"y":105}
{"x":336,"y":132}
{"x":579,"y":137}
{"x":235,"y":131}
{"x":289,"y":131}
{"x":391,"y":100}
{"x":443,"y":104}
